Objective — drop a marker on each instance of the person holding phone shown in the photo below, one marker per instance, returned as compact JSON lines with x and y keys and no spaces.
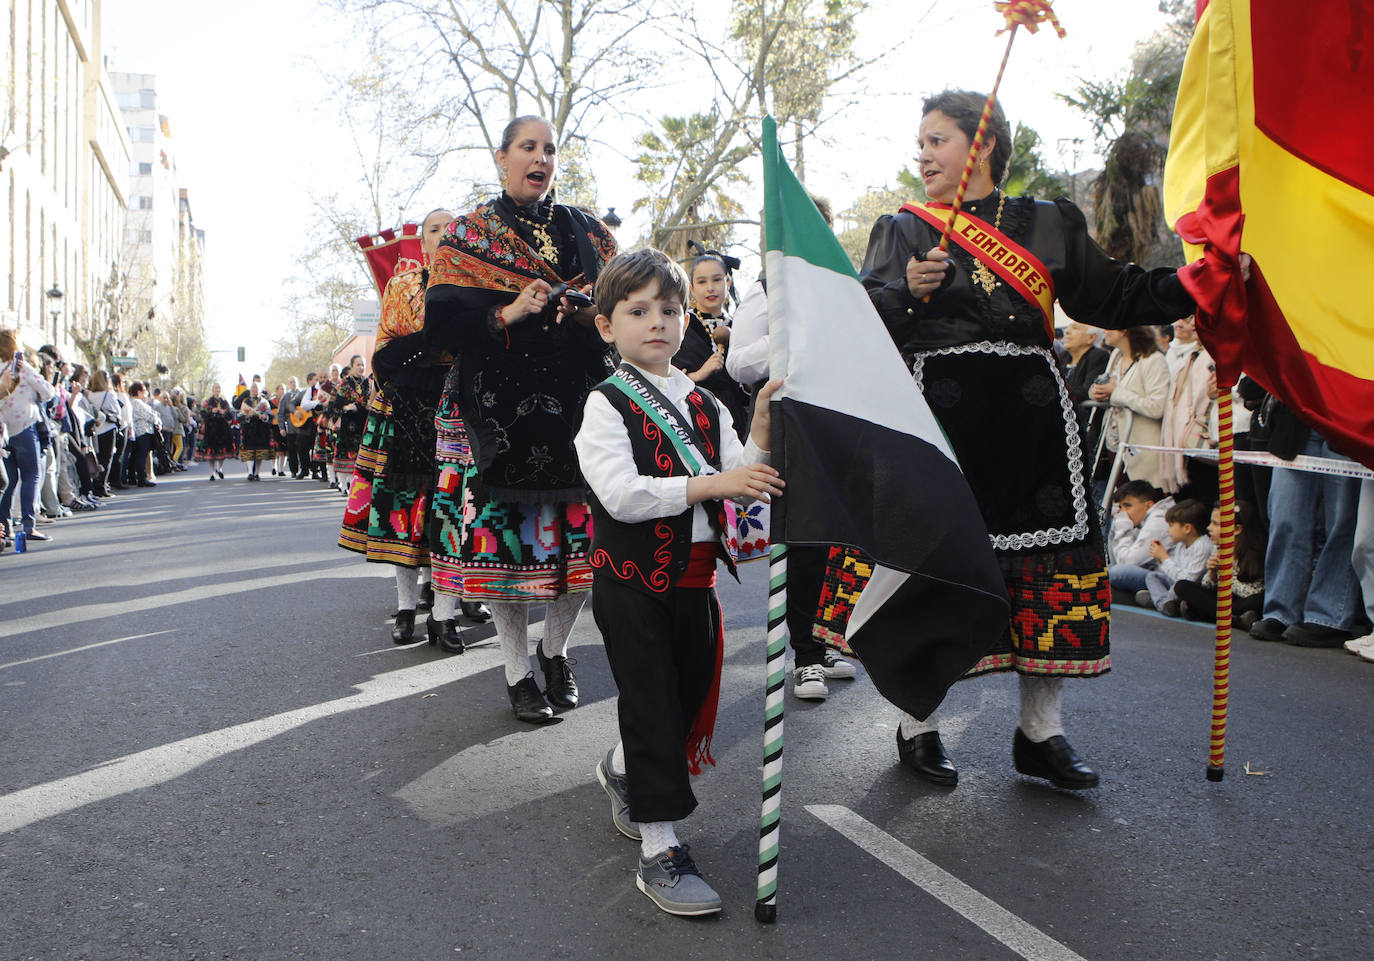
{"x":510,"y":495}
{"x":22,"y":394}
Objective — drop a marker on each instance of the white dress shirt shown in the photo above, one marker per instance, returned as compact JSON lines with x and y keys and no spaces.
{"x":747,"y":358}
{"x":608,"y":464}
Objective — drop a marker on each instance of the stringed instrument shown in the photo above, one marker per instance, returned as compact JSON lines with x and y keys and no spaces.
{"x":299,"y":418}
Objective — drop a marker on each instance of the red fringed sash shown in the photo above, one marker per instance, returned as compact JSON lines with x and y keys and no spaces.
{"x":701,"y":573}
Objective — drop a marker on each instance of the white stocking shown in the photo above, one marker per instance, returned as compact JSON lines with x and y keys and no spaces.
{"x":912,"y":727}
{"x":407,"y":591}
{"x":656,"y":837}
{"x":559,"y":618}
{"x":445,"y":606}
{"x":513,"y":627}
{"x":618,"y":759}
{"x":424,"y":575}
{"x":1040,"y":697}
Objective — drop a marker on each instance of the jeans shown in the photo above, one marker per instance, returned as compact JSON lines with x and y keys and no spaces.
{"x":1301,"y":583}
{"x":1362,"y":555}
{"x":24,"y":465}
{"x":1128,"y":577}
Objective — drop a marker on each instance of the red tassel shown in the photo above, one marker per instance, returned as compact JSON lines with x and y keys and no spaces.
{"x":701,"y":572}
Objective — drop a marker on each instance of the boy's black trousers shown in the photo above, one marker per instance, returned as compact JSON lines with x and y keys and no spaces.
{"x":662,"y":652}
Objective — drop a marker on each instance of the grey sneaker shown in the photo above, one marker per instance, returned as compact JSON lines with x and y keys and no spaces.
{"x":836,"y":666}
{"x":619,"y":790}
{"x":809,"y":683}
{"x":672,"y":881}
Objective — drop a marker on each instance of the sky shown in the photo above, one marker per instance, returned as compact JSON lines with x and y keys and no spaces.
{"x":240,"y":84}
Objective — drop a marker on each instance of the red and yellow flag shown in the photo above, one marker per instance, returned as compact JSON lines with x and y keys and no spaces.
{"x":1272,"y":153}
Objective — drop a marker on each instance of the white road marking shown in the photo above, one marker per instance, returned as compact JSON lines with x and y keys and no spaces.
{"x":77,"y":613}
{"x":158,"y":765}
{"x":1018,"y":935}
{"x":84,"y":647}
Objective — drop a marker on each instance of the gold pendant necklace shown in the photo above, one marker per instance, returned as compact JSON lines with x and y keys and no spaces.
{"x":542,"y":241}
{"x":984,"y":277}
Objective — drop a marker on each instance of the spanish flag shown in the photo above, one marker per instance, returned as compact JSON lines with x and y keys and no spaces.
{"x":1270,"y":153}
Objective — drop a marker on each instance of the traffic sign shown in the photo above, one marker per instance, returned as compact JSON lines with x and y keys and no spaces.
{"x":124,"y":361}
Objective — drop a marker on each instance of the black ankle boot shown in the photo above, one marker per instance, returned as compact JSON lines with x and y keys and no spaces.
{"x":403,"y":631}
{"x":1054,"y":760}
{"x":445,"y":634}
{"x":426,"y":601}
{"x":527,"y":703}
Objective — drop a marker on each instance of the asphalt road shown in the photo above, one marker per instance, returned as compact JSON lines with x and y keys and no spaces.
{"x":211,"y":749}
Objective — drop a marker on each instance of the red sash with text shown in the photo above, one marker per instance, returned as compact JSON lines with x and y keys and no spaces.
{"x":1016,"y":265}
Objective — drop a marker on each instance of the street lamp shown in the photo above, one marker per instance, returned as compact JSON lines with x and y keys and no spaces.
{"x":612,"y":219}
{"x":54,"y":296}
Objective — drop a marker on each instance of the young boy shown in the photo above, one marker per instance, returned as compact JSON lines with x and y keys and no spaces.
{"x":659,"y":455}
{"x":1138,"y":523}
{"x":1184,"y":559}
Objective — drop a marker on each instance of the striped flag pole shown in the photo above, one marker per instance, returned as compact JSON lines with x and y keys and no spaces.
{"x":775,"y":671}
{"x":1221,"y":669}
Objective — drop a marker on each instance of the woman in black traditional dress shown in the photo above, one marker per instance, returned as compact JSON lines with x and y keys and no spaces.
{"x":526,"y":357}
{"x":255,"y":429}
{"x":349,"y":407}
{"x":976,"y":325}
{"x":216,"y":435}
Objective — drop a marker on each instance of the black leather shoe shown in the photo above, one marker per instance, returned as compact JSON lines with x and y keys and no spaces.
{"x":925,"y":755}
{"x":403,"y":632}
{"x":527,"y":703}
{"x":560,"y":686}
{"x":475,"y":612}
{"x":1308,"y":634}
{"x":1054,"y":760}
{"x":426,"y":601}
{"x":445,"y":634}
{"x":1268,"y":629}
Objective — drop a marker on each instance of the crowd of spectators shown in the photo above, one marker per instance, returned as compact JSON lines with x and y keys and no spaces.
{"x":1304,"y":568}
{"x":73,"y":437}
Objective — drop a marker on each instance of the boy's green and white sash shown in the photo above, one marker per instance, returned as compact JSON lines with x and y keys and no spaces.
{"x":664,"y":416}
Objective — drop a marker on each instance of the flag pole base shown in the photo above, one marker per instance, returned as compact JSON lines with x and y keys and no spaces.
{"x":765,"y":912}
{"x":1215,"y":772}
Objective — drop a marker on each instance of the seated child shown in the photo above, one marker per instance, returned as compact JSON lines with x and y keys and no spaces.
{"x":659,"y":455}
{"x":1197,"y":599}
{"x":1185,"y":557}
{"x":1138,"y":523}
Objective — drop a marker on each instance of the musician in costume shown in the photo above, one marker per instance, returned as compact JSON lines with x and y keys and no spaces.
{"x":349,"y":409}
{"x":255,"y":429}
{"x":526,"y":358}
{"x":389,"y":501}
{"x":976,"y":326}
{"x":322,"y":450}
{"x":216,"y":437}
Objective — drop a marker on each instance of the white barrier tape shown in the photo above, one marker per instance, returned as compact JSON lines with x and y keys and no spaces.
{"x":1303,"y":462}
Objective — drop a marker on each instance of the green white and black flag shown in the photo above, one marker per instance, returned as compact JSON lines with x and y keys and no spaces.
{"x":866,"y":464}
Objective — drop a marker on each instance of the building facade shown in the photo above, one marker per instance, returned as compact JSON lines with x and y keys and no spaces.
{"x":64,"y":167}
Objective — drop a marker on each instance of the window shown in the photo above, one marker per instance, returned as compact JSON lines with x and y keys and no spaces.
{"x":145,"y":236}
{"x":147,"y":98}
{"x":145,"y":202}
{"x":145,"y":169}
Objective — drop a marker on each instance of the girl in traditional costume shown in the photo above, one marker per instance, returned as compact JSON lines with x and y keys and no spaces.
{"x":707,"y":336}
{"x":976,"y":325}
{"x":525,"y":358}
{"x":389,"y":499}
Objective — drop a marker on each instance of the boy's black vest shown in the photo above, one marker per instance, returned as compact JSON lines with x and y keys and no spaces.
{"x":652,"y":555}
